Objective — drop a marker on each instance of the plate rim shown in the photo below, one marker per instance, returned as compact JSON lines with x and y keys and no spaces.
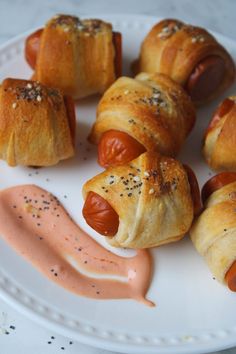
{"x":93,"y":338}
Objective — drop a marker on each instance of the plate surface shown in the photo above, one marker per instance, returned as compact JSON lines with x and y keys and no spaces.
{"x":194,"y":314}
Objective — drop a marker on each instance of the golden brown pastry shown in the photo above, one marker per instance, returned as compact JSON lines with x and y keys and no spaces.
{"x":146,"y":203}
{"x":80,"y":57}
{"x":219,"y":146}
{"x":189,"y":55}
{"x":148,"y":113}
{"x":37,"y":124}
{"x":214,"y":231}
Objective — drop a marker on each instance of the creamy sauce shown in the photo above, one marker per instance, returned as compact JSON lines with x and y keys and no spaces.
{"x":37,"y":226}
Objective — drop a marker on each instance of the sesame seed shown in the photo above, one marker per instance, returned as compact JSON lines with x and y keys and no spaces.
{"x":146,"y":174}
{"x":194,"y":40}
{"x":29,"y":86}
{"x":39,"y":98}
{"x":162,"y":104}
{"x":126,"y":92}
{"x":202,"y":39}
{"x":165,"y":29}
{"x":151,"y":191}
{"x":14,"y":105}
{"x":136,"y":178}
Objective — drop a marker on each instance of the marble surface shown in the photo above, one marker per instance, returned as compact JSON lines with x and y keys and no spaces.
{"x":18,"y":334}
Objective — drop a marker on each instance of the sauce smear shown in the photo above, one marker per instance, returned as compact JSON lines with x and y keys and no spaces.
{"x":37,"y":226}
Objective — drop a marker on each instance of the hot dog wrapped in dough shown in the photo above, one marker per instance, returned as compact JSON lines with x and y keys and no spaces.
{"x":214,"y":231}
{"x":37,"y":124}
{"x":147,"y":202}
{"x":148,"y":113}
{"x":189,"y":55}
{"x":220,"y":138}
{"x":81,"y":57}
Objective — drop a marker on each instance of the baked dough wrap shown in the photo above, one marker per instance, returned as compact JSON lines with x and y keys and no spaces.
{"x":214,"y":232}
{"x":175,"y":49}
{"x":152,"y":197}
{"x":34,"y":124}
{"x":151,"y":108}
{"x":77,"y":56}
{"x":220,"y":141}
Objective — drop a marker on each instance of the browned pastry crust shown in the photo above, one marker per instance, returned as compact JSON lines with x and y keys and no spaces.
{"x":175,"y":49}
{"x":220,"y":142}
{"x":151,"y":108}
{"x":76,"y":56}
{"x":152,"y":197}
{"x":214,"y":231}
{"x":34,"y":126}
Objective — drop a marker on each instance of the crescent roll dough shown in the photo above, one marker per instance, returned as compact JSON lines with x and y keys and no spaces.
{"x":220,"y":142}
{"x":34,"y":124}
{"x":214,"y":232}
{"x":76,"y":56}
{"x":152,"y":197}
{"x":175,"y":49}
{"x":151,"y":108}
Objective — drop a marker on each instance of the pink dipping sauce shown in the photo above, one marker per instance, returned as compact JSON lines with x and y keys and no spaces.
{"x":35,"y":224}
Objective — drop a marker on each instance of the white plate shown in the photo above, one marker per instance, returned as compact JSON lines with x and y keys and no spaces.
{"x":194,"y":313}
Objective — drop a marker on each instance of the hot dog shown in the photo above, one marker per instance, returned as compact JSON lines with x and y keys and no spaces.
{"x":116,"y":148}
{"x":220,"y":112}
{"x":205,"y":78}
{"x":211,"y":186}
{"x":33,"y":42}
{"x":195,"y":191}
{"x":230,"y":277}
{"x":99,"y":214}
{"x":32,"y":47}
{"x":216,"y":183}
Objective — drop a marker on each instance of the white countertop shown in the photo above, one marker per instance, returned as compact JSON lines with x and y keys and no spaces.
{"x":18,"y":334}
